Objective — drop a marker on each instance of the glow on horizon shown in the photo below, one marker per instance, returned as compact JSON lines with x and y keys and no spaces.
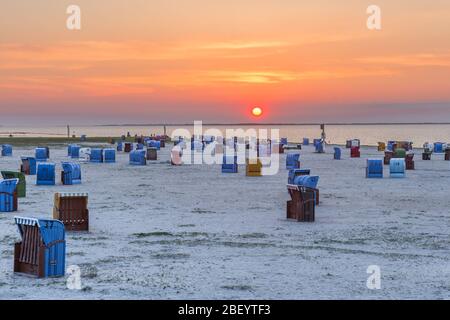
{"x":176,"y":61}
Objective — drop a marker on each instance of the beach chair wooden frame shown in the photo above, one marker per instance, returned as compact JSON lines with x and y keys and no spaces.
{"x":302,"y":205}
{"x":71,"y":209}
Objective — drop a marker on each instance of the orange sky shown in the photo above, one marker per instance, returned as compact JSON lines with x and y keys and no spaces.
{"x":183,"y":60}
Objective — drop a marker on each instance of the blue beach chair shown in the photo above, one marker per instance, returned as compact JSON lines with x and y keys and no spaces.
{"x":138,"y":158}
{"x":42,"y":251}
{"x":41,"y":154}
{"x":45,"y":174}
{"x":7,"y":150}
{"x":8,"y":195}
{"x":337,"y":153}
{"x":96,"y":155}
{"x":374,"y":168}
{"x":229,"y":164}
{"x":109,"y":155}
{"x":292,"y":161}
{"x":397,"y":167}
{"x":71,"y":173}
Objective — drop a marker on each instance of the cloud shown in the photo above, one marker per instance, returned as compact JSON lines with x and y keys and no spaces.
{"x":412,"y":60}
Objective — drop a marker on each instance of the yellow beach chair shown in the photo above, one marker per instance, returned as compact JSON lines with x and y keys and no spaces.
{"x":253,"y":169}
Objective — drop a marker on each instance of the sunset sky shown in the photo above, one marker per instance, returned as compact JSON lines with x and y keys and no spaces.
{"x":175,"y":61}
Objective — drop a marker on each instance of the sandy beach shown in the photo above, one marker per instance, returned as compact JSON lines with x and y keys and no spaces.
{"x":192,"y":232}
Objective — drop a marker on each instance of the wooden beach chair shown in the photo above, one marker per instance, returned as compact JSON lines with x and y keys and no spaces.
{"x":72,"y":210}
{"x":302,"y":205}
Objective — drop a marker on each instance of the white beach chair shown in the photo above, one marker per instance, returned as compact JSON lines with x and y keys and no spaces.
{"x":85,"y":154}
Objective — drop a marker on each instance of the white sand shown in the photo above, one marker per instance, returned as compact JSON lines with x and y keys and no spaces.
{"x":188,"y":232}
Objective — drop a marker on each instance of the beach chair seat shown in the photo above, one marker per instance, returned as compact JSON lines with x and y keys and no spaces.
{"x":71,"y":173}
{"x":152,"y":153}
{"x":7,"y":150}
{"x":306,"y":141}
{"x":229,"y":164}
{"x":96,"y":155}
{"x":72,"y":210}
{"x":21,"y":185}
{"x":42,"y":250}
{"x":292,"y":161}
{"x":337,"y":153}
{"x":41,"y":154}
{"x":45,"y":174}
{"x":302,"y":205}
{"x":374,"y":168}
{"x":8,"y":195}
{"x":297,"y":172}
{"x":381,"y":146}
{"x":28,"y":165}
{"x":253,"y":168}
{"x":397,"y":168}
{"x":109,"y":155}
{"x":354,"y":152}
{"x":388,"y":155}
{"x":119,"y":147}
{"x":138,"y":158}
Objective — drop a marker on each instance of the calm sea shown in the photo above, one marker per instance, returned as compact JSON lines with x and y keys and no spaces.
{"x":336,"y":134}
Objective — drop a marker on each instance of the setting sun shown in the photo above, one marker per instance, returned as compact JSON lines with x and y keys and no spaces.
{"x":257,"y":111}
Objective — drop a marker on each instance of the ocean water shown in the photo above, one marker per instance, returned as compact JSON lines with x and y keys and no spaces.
{"x":369,"y":134}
